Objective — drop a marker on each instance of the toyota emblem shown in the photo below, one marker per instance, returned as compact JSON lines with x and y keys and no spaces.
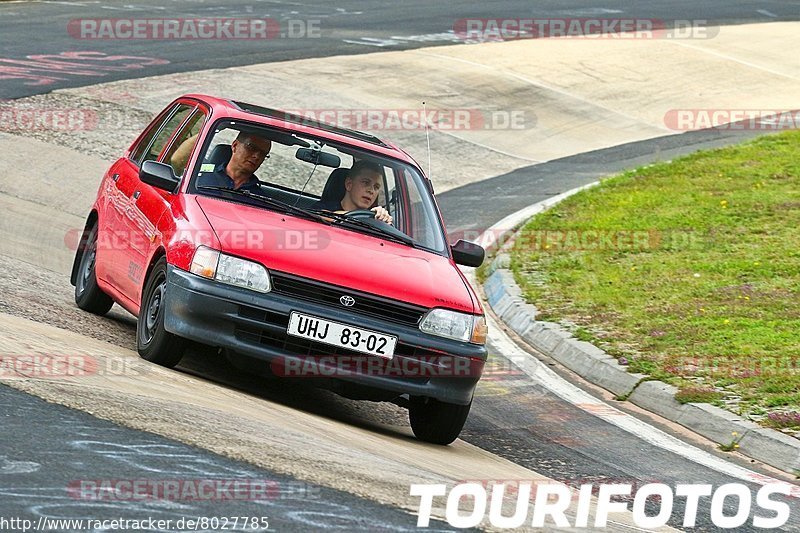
{"x":347,"y":301}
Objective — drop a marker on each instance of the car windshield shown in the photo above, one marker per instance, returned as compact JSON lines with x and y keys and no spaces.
{"x":304,"y":176}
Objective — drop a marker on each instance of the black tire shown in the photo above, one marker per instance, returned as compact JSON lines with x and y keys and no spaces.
{"x":153,"y":342}
{"x":88,"y":296}
{"x":437,"y":422}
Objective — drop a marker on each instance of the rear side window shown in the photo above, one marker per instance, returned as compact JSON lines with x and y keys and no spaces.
{"x":153,"y":143}
{"x":177,"y":155}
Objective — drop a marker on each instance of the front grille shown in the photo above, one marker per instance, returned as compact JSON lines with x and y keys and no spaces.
{"x":322,"y":293}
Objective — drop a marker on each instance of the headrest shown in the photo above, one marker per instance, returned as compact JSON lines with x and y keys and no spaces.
{"x":334,"y":188}
{"x":220,"y":154}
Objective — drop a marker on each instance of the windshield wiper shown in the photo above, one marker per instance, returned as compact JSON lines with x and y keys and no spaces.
{"x":382,"y":230}
{"x":280,"y":206}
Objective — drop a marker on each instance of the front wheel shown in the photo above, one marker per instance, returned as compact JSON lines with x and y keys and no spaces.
{"x":153,"y":342}
{"x":437,"y":422}
{"x":88,"y":296}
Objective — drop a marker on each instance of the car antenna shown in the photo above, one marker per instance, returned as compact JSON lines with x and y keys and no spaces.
{"x":427,"y":138}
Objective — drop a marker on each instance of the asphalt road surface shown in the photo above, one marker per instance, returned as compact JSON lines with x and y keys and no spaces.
{"x":42,"y":51}
{"x":523,"y":417}
{"x":63,"y":474}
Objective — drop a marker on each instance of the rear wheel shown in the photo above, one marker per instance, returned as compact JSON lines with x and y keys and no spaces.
{"x":88,"y":296}
{"x":437,"y":422}
{"x":153,"y":342}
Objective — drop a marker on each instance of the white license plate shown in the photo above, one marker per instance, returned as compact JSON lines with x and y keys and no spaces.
{"x":342,"y":335}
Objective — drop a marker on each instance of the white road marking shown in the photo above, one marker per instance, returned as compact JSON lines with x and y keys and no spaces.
{"x":548,"y":379}
{"x":730,"y":58}
{"x":493,"y":149}
{"x":130,"y":7}
{"x":64,"y":3}
{"x":767,"y":13}
{"x":17,"y":467}
{"x":370,"y":41}
{"x":590,"y":11}
{"x":447,"y":36}
{"x":343,"y":11}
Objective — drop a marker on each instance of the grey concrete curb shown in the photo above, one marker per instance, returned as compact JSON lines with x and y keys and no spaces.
{"x":596,"y":366}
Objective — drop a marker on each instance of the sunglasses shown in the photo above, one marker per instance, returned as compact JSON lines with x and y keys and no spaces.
{"x":253,"y":149}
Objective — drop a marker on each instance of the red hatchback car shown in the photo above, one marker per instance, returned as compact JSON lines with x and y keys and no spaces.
{"x":296,"y":248}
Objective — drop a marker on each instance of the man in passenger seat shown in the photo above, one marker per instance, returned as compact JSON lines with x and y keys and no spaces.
{"x":362,"y":185}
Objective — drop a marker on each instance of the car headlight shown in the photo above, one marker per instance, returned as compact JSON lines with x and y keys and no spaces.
{"x":213,"y":264}
{"x":455,"y":325}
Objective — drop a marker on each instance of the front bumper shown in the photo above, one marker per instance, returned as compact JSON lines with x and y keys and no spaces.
{"x":254,"y":325}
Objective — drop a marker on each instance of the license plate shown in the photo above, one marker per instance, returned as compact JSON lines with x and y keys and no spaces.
{"x":342,"y":335}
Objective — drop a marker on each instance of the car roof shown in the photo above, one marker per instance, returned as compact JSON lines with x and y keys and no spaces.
{"x":223,"y":108}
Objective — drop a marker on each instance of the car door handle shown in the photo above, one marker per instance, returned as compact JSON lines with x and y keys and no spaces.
{"x":136,"y":195}
{"x":115,"y":177}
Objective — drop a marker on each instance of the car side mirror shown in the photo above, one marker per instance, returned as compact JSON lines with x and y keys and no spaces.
{"x":468,"y":253}
{"x":159,"y":175}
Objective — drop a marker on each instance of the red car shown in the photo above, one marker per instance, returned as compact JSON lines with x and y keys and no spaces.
{"x":329,"y":260}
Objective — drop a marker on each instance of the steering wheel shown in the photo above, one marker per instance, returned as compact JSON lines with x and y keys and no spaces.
{"x":361,"y":213}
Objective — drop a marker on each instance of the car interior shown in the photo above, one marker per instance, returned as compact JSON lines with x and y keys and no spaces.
{"x":334,"y":185}
{"x":297,"y":173}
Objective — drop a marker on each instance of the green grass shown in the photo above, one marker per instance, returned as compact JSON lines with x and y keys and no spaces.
{"x":697,"y":394}
{"x":691,"y":274}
